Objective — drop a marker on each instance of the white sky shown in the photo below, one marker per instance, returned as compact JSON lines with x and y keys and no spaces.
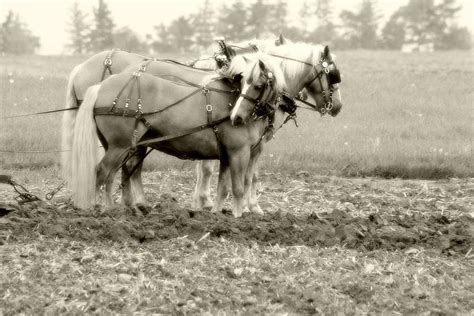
{"x":49,"y":19}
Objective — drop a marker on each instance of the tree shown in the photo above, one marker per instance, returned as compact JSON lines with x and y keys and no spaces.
{"x":360,"y":28}
{"x":163,"y":43}
{"x":232,"y":22}
{"x":203,"y":25}
{"x":101,"y":36}
{"x":456,"y":37}
{"x":257,"y":22}
{"x":78,"y":30}
{"x":181,"y":33}
{"x":325,"y":30}
{"x":127,"y":39}
{"x":393,"y":33}
{"x":306,"y":14}
{"x":15,"y":37}
{"x":278,"y":17}
{"x":424,"y":22}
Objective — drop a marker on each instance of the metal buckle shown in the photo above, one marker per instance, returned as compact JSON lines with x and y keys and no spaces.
{"x":209,"y":107}
{"x":205,"y":90}
{"x":136,"y":74}
{"x":108,"y":61}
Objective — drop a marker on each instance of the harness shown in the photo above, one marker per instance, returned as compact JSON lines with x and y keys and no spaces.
{"x":108,"y":64}
{"x":331,"y":77}
{"x":140,"y":116}
{"x":287,"y":103}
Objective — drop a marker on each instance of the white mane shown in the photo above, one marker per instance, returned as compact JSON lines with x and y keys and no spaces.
{"x":299,"y":51}
{"x":247,"y":65}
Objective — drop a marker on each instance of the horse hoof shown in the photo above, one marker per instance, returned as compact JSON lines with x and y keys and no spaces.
{"x":256,"y":209}
{"x":202,"y":204}
{"x":144,"y":209}
{"x":208,"y":207}
{"x":237,"y":215}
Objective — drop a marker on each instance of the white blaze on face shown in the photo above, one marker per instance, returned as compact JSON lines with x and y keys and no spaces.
{"x":238,"y":102}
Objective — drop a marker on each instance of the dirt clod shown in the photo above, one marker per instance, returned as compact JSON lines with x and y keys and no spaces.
{"x":376,"y":231}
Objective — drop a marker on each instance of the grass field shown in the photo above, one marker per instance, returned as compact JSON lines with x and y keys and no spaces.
{"x":404,"y":115}
{"x":333,"y":239}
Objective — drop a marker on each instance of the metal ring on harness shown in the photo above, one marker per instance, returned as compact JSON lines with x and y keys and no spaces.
{"x":209,"y":107}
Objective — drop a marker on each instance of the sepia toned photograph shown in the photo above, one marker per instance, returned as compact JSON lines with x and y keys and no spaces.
{"x":236,"y":157}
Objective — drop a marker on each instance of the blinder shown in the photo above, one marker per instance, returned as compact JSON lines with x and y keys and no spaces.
{"x":334,"y":76}
{"x":237,"y":78}
{"x":287,"y":104}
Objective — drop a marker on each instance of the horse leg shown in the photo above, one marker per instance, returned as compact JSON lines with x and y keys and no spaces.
{"x":133,"y":194}
{"x":222,"y":184}
{"x":106,"y":171}
{"x":238,"y":162}
{"x":253,"y":199}
{"x":202,"y":190}
{"x":251,"y":181}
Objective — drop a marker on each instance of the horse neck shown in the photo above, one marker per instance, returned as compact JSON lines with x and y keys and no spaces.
{"x":295,"y":80}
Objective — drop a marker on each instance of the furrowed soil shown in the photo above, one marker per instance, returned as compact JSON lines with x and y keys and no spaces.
{"x":324,"y":244}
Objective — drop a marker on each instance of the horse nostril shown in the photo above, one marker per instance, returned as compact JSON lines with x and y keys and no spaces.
{"x":238,"y":120}
{"x":335,"y":110}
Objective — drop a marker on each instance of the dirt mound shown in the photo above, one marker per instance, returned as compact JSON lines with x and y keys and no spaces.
{"x":166,"y":220}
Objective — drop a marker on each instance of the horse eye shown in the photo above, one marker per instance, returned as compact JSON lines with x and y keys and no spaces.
{"x":258,"y":87}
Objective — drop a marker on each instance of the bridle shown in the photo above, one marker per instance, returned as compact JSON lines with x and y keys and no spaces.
{"x":318,"y":74}
{"x":263,"y":108}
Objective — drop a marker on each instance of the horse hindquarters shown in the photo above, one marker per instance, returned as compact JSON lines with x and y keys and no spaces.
{"x":84,"y":152}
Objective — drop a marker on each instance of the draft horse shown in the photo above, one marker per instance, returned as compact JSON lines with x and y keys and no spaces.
{"x":184,"y":113}
{"x":305,"y":67}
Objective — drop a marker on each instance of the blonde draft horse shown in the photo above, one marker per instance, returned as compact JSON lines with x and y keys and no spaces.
{"x":301,"y":65}
{"x":169,"y":107}
{"x":100,"y":66}
{"x":205,"y":168}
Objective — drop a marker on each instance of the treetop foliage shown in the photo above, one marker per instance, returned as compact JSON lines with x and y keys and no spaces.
{"x":418,"y":23}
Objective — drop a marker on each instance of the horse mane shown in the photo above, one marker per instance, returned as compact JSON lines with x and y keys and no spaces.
{"x":241,"y":65}
{"x":298,"y":51}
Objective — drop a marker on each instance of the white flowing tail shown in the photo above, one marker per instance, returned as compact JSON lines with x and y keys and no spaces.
{"x":84,"y":152}
{"x":69,"y":118}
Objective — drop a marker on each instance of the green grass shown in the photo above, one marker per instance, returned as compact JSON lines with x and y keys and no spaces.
{"x":404,"y":115}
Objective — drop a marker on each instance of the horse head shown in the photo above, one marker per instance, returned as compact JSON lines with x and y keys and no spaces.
{"x":311,"y":70}
{"x":323,"y":84}
{"x":261,"y":81}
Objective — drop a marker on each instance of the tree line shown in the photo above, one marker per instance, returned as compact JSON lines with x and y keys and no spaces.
{"x":419,"y":22}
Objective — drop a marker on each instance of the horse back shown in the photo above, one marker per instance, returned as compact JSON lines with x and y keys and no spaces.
{"x":94,"y":70}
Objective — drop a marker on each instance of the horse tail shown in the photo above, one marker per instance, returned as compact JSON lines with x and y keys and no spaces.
{"x":69,"y":118}
{"x":84,"y":152}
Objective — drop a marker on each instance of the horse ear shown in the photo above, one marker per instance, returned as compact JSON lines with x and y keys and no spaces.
{"x":327,"y":53}
{"x":280,"y":40}
{"x":230,"y":52}
{"x":262,"y":66}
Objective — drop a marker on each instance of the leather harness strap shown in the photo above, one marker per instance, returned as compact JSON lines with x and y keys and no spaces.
{"x":108,"y":64}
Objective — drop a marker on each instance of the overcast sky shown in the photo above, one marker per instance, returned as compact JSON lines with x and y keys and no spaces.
{"x":49,"y":19}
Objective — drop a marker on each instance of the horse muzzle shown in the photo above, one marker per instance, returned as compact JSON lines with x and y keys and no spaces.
{"x":336,"y":108}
